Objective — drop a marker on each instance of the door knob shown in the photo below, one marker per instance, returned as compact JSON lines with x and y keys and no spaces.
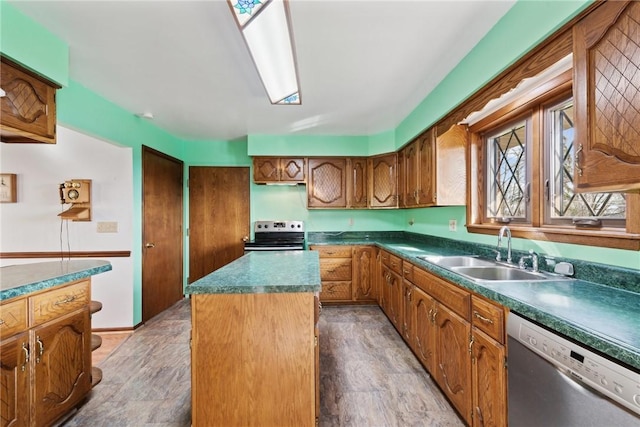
{"x":150,"y":245}
{"x":245,"y":239}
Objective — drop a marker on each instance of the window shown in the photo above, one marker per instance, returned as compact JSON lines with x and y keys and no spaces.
{"x":508,"y":178}
{"x":563,"y":205}
{"x":522,"y":160}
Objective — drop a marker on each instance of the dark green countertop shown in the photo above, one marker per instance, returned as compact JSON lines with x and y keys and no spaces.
{"x":263,"y":272}
{"x":22,"y":279}
{"x":602,"y":317}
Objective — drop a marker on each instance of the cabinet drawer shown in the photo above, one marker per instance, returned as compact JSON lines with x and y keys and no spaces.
{"x":488,"y":317}
{"x":13,"y":318}
{"x":336,"y":291}
{"x":58,"y":302}
{"x":391,"y":261}
{"x":333,"y":251}
{"x":450,"y":295}
{"x":335,"y":269}
{"x":407,"y":271}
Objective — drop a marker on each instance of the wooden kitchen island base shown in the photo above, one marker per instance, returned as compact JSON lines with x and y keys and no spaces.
{"x":253,"y":359}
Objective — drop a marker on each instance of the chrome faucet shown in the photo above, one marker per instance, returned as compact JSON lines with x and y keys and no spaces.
{"x":504,"y":229}
{"x":534,"y":261}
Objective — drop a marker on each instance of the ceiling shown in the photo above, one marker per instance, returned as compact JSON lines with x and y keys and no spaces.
{"x":363,"y":65}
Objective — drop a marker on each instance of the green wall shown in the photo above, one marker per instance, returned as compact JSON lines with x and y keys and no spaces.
{"x":525,"y":25}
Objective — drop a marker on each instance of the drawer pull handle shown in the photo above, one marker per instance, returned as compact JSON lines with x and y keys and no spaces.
{"x":67,"y":300}
{"x":40,"y":349}
{"x":25,"y":348}
{"x":481,"y":317}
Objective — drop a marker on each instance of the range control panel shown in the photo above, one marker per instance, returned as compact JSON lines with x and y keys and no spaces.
{"x":581,"y":364}
{"x":275,"y":226}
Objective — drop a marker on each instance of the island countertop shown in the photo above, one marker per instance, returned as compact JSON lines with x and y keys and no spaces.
{"x":263,"y":272}
{"x":21,"y":279}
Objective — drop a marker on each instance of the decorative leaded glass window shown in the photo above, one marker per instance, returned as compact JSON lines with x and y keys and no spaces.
{"x":564,"y":204}
{"x":508,"y":173}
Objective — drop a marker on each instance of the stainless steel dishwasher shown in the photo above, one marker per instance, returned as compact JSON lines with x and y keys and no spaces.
{"x":554,"y":382}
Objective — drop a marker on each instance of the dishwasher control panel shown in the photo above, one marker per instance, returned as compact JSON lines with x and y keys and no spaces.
{"x":583,"y":365}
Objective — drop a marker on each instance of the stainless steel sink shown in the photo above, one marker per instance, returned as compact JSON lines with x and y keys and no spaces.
{"x":499,"y":273}
{"x":457,"y":261}
{"x":486,"y":270}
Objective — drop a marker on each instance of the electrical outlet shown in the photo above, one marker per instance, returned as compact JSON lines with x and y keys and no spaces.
{"x":453,"y":225}
{"x":107,"y":227}
{"x":350,"y":222}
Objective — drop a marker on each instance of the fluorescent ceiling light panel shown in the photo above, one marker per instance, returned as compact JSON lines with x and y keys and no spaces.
{"x":265,"y":29}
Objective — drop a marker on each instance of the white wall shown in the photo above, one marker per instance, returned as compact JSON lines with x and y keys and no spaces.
{"x":32,"y":224}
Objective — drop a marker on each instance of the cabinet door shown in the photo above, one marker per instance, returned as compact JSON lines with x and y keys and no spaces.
{"x":489,"y":381}
{"x":266,"y":169}
{"x":422,"y":308}
{"x":405,"y":311}
{"x":606,"y":94}
{"x":292,"y":170}
{"x":363,"y":273}
{"x":383,"y":183}
{"x":357,"y":183}
{"x":453,"y":360}
{"x":327,"y":187}
{"x":14,"y":381}
{"x":28,"y":107}
{"x":426,"y":170}
{"x":392,"y":295}
{"x":411,"y":170}
{"x":62,"y":359}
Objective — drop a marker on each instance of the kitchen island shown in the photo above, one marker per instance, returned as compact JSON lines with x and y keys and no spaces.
{"x":254,"y":351}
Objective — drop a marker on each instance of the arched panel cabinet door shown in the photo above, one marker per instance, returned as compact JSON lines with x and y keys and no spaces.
{"x":607,"y":125}
{"x":383,"y":181}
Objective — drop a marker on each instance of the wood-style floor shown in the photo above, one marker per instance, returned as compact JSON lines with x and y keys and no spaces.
{"x":369,"y":377}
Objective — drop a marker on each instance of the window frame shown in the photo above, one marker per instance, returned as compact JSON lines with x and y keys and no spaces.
{"x":536,"y":103}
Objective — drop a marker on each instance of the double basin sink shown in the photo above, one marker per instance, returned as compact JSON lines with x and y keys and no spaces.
{"x":485,"y":270}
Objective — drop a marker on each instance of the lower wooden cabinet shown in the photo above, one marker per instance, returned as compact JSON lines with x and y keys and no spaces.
{"x":424,"y":330}
{"x":46,"y":364}
{"x":489,"y":379}
{"x":347,"y":273}
{"x":453,"y":359}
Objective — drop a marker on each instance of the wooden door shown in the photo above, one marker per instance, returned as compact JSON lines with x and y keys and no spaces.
{"x":218,"y":217}
{"x":62,"y":352}
{"x":606,"y":97}
{"x":453,"y":361}
{"x":162,"y":231}
{"x":489,"y":381}
{"x":357,"y":183}
{"x":14,"y":381}
{"x":327,"y":186}
{"x":405,"y":311}
{"x":383,"y":184}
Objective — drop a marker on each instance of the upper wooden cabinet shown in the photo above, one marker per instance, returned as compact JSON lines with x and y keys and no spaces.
{"x":327,"y":186}
{"x":28,"y":106}
{"x":383,"y":181}
{"x":432,"y":170}
{"x":606,"y":96}
{"x":357,"y":182}
{"x":277,"y":169}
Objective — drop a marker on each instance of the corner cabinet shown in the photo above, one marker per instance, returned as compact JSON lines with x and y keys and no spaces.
{"x":606,"y":96}
{"x":432,"y":170}
{"x":28,"y":107}
{"x":276,"y":169}
{"x":347,"y":274}
{"x":46,"y":354}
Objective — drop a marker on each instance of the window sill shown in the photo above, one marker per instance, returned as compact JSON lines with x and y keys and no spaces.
{"x":602,"y":237}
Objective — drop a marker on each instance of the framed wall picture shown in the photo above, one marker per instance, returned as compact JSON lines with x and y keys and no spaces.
{"x":8,"y":188}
